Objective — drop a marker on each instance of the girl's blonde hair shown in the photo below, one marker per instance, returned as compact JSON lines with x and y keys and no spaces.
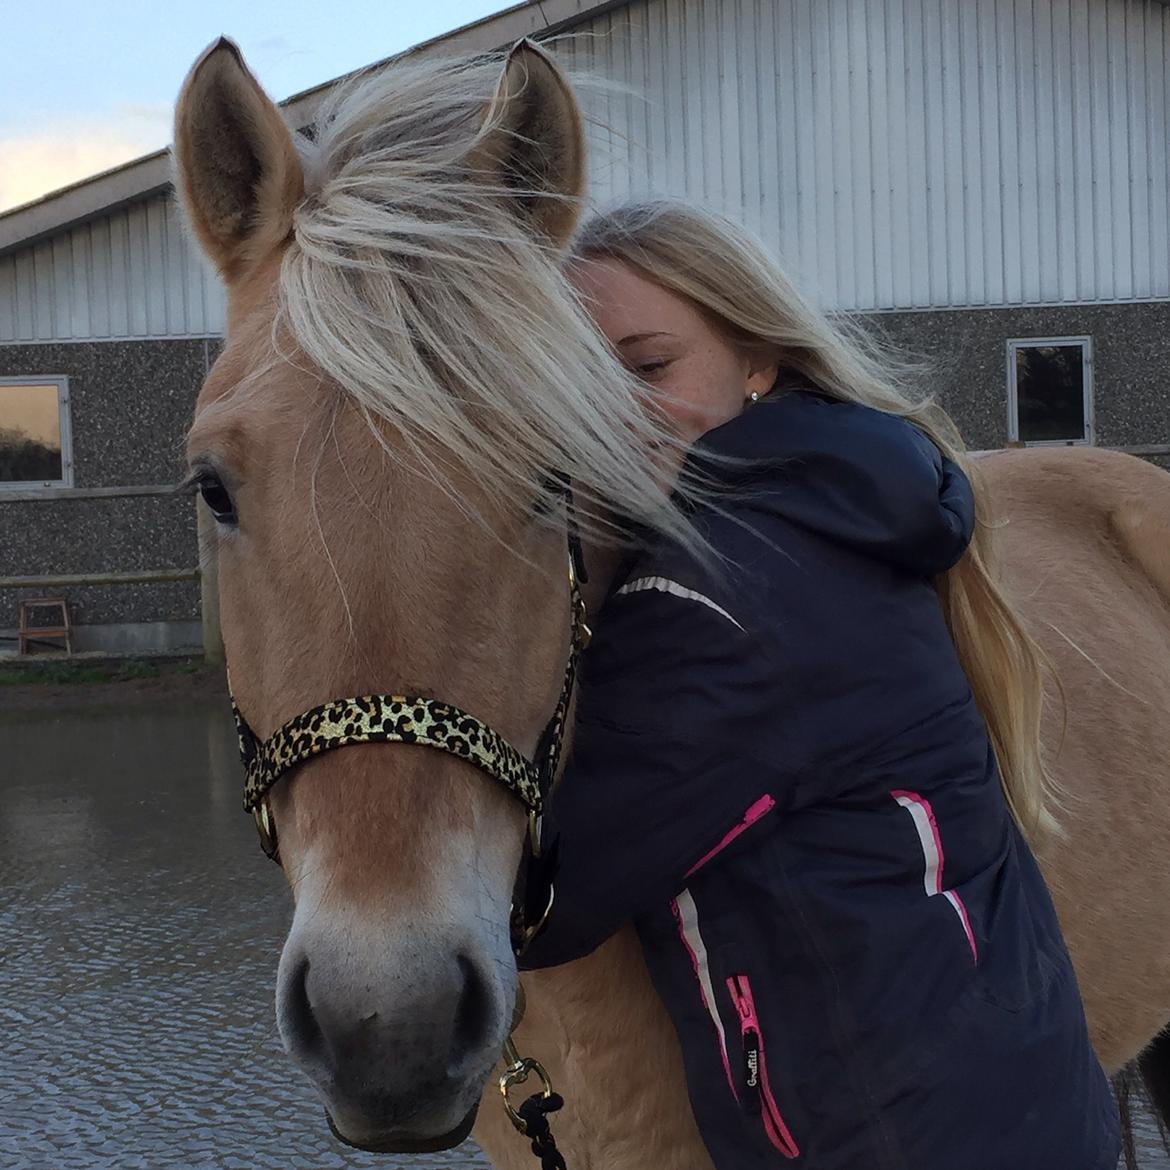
{"x":730,"y":277}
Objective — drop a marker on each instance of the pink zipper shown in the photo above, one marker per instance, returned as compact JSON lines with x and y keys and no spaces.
{"x":756,"y":812}
{"x":756,"y":1067}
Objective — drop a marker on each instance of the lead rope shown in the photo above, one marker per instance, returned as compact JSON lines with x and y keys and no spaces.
{"x":531,"y":1119}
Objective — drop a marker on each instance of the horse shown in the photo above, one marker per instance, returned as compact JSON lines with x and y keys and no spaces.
{"x":406,"y":388}
{"x":1083,"y":548}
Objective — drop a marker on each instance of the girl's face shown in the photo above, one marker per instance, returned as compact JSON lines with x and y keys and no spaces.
{"x":700,"y":379}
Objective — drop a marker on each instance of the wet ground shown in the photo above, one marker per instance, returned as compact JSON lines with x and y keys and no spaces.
{"x":140,"y":928}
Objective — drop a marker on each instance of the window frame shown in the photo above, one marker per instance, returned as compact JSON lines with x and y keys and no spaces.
{"x":1014,"y":345}
{"x":61,"y":381}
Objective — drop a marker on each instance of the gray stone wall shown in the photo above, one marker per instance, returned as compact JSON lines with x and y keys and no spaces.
{"x":967,"y":351}
{"x":43,"y":537}
{"x":130,"y":406}
{"x":132,"y":402}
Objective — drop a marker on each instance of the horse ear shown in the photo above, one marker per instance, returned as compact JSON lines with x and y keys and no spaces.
{"x":239,"y":176}
{"x":533,"y":142}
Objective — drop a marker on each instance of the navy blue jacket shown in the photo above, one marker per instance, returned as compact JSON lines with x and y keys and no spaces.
{"x":781,"y":776}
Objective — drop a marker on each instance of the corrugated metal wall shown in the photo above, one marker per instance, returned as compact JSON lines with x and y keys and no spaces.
{"x":130,"y":274}
{"x":898,"y":153}
{"x":905,"y":153}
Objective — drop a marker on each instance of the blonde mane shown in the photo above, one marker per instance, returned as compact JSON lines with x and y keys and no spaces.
{"x":414,"y":281}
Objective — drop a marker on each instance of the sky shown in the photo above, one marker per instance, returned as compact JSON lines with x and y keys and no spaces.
{"x":88,"y":84}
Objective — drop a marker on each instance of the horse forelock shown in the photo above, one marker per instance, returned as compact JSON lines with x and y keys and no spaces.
{"x":413,"y":282}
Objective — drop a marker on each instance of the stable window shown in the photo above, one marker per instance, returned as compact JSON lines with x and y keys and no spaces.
{"x":1050,"y":390}
{"x":35,"y":447}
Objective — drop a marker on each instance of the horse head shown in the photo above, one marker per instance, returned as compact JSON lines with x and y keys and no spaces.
{"x":406,"y":379}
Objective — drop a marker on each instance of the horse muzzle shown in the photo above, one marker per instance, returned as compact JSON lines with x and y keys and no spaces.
{"x":405,"y":1143}
{"x":398,"y":1030}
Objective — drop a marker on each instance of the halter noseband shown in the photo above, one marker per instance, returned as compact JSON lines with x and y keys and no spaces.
{"x":417,"y":719}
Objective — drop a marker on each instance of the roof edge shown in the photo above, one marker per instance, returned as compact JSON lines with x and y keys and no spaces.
{"x":151,"y":174}
{"x":129,"y":183}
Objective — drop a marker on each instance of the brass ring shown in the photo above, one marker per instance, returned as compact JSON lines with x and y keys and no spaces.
{"x":266,"y":827}
{"x":518,"y":1074}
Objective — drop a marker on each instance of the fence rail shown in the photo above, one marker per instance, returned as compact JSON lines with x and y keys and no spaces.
{"x":209,"y":594}
{"x":8,"y":494}
{"x":70,"y":580}
{"x":127,"y":491}
{"x":207,"y":576}
{"x":1144,"y":449}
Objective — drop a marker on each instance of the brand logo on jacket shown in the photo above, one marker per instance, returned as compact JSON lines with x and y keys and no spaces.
{"x":753,"y":1068}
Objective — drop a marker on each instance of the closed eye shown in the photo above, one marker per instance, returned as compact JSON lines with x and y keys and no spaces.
{"x":651,"y":369}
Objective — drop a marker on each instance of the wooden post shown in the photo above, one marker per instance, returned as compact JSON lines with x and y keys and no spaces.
{"x":208,"y":585}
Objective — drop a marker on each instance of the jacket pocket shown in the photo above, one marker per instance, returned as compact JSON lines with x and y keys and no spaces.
{"x":751,"y":1109}
{"x":758,"y":1096}
{"x":922,"y":815}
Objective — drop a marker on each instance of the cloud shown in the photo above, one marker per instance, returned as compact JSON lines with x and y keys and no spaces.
{"x":32,"y":165}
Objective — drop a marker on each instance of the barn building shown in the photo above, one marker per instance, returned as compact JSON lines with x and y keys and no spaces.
{"x":987,"y":182}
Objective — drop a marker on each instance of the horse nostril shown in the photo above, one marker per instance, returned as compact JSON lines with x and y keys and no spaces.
{"x":297,"y":1017}
{"x":473,"y":1015}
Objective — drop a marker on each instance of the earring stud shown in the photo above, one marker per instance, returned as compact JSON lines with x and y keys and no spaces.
{"x":755,"y":396}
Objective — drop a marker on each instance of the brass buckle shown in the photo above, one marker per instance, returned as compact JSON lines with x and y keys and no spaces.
{"x":581,"y":624}
{"x":266,"y":827}
{"x":517,"y":1071}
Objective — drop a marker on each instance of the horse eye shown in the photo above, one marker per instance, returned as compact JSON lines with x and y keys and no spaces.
{"x":217,"y":498}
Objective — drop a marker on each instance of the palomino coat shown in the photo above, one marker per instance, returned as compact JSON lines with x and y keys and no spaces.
{"x":781,"y":775}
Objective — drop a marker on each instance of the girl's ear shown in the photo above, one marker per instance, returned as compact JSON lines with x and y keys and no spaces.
{"x":762,"y":375}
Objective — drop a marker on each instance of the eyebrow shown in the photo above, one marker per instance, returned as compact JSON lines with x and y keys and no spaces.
{"x":631,"y":338}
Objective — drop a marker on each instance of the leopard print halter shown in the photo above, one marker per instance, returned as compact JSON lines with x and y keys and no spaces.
{"x":383,"y":719}
{"x":417,"y":719}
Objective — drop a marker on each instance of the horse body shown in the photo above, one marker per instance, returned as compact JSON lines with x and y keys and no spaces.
{"x":1085,"y":551}
{"x":405,"y":373}
{"x":1084,"y":546}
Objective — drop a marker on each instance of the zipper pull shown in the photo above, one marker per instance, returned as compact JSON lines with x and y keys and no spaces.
{"x":743,"y":1008}
{"x":751,"y":1069}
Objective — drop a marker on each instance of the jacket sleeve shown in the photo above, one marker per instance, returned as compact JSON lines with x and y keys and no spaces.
{"x":662,"y":762}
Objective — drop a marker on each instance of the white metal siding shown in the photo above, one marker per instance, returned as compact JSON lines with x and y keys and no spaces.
{"x":130,"y":274}
{"x":897,"y":153}
{"x":903,"y":153}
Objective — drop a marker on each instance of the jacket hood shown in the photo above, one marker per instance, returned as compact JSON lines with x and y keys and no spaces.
{"x":856,"y":475}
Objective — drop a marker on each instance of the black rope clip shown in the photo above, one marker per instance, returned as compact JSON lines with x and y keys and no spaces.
{"x":531,"y":1119}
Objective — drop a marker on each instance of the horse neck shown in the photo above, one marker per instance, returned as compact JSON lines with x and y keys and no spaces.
{"x":603,"y":566}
